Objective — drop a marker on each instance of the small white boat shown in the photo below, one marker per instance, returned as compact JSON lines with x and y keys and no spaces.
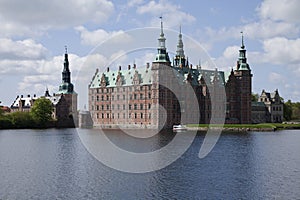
{"x":179,"y":128}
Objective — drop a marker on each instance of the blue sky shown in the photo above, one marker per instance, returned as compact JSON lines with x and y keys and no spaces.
{"x":33,"y":35}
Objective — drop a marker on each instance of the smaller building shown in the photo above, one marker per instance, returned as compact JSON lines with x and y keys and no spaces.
{"x":64,"y":102}
{"x":269,"y":108}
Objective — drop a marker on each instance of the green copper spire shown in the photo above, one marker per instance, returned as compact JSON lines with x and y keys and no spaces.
{"x":180,"y":60}
{"x":242,"y":61}
{"x":162,"y":54}
{"x":66,"y":87}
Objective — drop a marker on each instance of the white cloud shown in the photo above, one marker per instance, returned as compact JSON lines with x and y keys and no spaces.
{"x":281,"y":50}
{"x":98,"y":36}
{"x":172,"y":14}
{"x":267,"y":28}
{"x":285,"y":10}
{"x":132,"y":3}
{"x":276,"y":78}
{"x":21,"y":49}
{"x":17,"y":67}
{"x":228,"y":58}
{"x":255,"y":30}
{"x":19,"y":15}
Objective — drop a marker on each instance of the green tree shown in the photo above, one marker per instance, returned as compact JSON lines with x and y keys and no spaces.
{"x":287,"y":110}
{"x":21,"y":120}
{"x":296,"y":111}
{"x":41,"y":111}
{"x":254,"y":97}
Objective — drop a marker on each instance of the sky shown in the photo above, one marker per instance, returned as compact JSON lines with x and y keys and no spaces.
{"x":101,"y":33}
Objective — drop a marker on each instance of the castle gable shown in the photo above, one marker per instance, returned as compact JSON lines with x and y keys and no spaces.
{"x":142,"y":76}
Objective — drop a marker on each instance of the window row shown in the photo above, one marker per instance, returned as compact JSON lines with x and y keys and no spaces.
{"x":121,"y":97}
{"x":119,"y":116}
{"x":277,"y":108}
{"x":122,"y":89}
{"x":123,"y":107}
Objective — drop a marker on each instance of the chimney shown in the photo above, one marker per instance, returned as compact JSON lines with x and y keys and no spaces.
{"x":128,"y":67}
{"x":120,"y":68}
{"x":134,"y":66}
{"x":148,"y":65}
{"x":107,"y":69}
{"x":191,"y":66}
{"x":22,"y":96}
{"x":28,"y":95}
{"x":34,"y":95}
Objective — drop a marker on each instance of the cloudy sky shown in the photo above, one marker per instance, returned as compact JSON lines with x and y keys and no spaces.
{"x":102,"y":33}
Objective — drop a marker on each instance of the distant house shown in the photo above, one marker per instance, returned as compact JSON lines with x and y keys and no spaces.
{"x":269,"y":108}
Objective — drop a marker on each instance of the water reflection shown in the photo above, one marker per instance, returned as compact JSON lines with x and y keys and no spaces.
{"x":53,"y":164}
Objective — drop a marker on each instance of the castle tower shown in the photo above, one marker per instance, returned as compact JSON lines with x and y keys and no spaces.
{"x":244,"y":79}
{"x":66,"y":89}
{"x":160,"y":70}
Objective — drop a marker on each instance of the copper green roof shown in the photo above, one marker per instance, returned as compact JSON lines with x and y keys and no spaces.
{"x":145,"y":76}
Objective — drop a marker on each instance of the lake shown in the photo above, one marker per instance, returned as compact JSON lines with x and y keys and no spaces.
{"x":54,"y":164}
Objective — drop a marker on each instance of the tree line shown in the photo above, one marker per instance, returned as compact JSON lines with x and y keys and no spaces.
{"x":40,"y":116}
{"x":291,"y":111}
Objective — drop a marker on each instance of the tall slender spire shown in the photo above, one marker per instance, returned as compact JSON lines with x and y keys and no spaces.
{"x":180,"y":51}
{"x":162,"y":54}
{"x":242,"y":61}
{"x":161,"y":39}
{"x":180,"y":57}
{"x":66,"y":85}
{"x":161,"y":27}
{"x":242,"y":46}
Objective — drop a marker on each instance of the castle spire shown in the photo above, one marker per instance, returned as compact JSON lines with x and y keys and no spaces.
{"x":180,"y":51}
{"x":66,"y":85}
{"x":242,"y":61}
{"x":180,"y":57}
{"x":162,"y":54}
{"x":242,"y":46}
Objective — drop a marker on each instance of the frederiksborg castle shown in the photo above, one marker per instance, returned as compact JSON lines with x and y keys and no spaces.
{"x":165,"y":93}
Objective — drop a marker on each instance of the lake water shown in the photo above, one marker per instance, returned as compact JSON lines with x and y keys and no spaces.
{"x":54,"y":164}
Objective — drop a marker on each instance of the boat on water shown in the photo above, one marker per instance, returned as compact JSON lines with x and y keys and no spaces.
{"x":179,"y":127}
